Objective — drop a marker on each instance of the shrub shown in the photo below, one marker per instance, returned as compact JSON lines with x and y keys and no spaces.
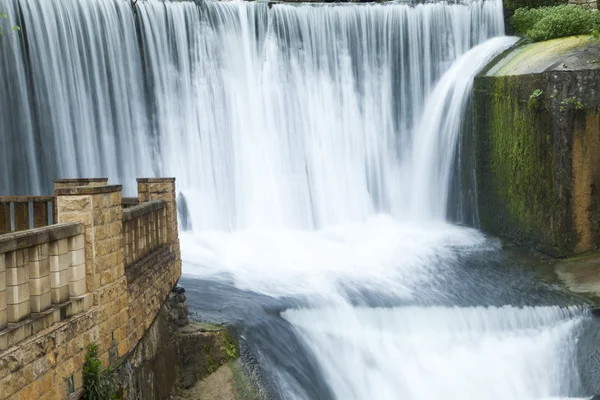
{"x":97,"y":381}
{"x":510,"y":6}
{"x":553,"y":22}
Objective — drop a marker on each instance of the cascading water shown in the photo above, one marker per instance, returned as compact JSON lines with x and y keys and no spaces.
{"x":315,"y":147}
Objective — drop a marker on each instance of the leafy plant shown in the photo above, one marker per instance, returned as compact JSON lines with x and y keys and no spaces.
{"x":534,"y":99}
{"x":2,"y":31}
{"x":97,"y":381}
{"x":546,"y":23}
{"x":571,"y":102}
{"x":510,"y":7}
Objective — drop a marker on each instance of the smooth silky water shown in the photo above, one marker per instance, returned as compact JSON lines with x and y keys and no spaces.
{"x":317,"y":150}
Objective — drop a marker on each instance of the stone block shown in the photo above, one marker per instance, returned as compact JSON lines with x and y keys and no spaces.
{"x":59,"y":294}
{"x":78,"y":257}
{"x":18,"y":312}
{"x":40,"y":268}
{"x":38,"y":252}
{"x":77,"y":288}
{"x":58,"y":247}
{"x":17,"y":294}
{"x":79,"y":304}
{"x":20,"y":258}
{"x":41,"y":302}
{"x":2,"y":263}
{"x":77,"y":272}
{"x":60,"y":263}
{"x":2,"y":281}
{"x":74,"y":203}
{"x":59,"y":278}
{"x":17,"y":276}
{"x":3,"y":318}
{"x":39,"y":286}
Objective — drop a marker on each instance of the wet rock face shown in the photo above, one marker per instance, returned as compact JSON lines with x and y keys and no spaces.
{"x":176,"y":307}
{"x":149,"y":372}
{"x":537,"y":144}
{"x":201,"y":349}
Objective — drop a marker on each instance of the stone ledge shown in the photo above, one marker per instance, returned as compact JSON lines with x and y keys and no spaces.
{"x":31,"y":237}
{"x":81,"y":180}
{"x":38,"y":322}
{"x":155,"y":180}
{"x":143,"y":209}
{"x":129,"y":201}
{"x":88,"y":190}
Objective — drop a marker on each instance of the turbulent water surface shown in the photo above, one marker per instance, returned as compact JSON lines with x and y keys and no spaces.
{"x":317,"y":148}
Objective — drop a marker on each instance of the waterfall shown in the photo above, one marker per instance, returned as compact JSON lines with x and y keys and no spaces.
{"x":270,"y":116}
{"x":315,"y":148}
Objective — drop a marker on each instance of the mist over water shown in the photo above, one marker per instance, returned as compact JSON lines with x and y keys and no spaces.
{"x":315,"y":147}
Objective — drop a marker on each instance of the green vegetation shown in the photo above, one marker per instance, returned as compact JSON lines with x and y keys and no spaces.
{"x":2,"y":28}
{"x":97,"y":381}
{"x":230,"y":347}
{"x":510,"y":6}
{"x":571,"y":102}
{"x":244,"y":389}
{"x":547,"y":23}
{"x":534,"y":99}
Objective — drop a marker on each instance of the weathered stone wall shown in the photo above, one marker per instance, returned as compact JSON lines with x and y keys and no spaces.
{"x":125,"y":303}
{"x":591,"y":4}
{"x":538,"y":144}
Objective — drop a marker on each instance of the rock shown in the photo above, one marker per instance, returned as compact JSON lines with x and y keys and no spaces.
{"x":178,"y":290}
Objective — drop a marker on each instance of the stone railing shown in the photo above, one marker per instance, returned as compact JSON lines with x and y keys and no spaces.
{"x":42,"y":279}
{"x":18,"y":213}
{"x":128,"y":202}
{"x":100,"y":274}
{"x":144,"y":230}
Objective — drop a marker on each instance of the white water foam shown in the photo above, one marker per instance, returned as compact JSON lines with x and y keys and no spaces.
{"x":443,"y":353}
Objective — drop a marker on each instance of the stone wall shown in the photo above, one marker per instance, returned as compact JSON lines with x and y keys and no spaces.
{"x":538,"y":143}
{"x":126,"y":301}
{"x":591,"y":4}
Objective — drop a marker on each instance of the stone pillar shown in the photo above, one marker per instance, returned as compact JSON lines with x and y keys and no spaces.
{"x":60,"y":262}
{"x":99,"y":209}
{"x":162,"y":189}
{"x":74,"y":182}
{"x":3,"y":312}
{"x":39,"y":277}
{"x":17,"y":285}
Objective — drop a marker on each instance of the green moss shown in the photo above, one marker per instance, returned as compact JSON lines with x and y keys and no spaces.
{"x":244,"y":390}
{"x":211,"y":364}
{"x":516,"y":178}
{"x":230,"y":346}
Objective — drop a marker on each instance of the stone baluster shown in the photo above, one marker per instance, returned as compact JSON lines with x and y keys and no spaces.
{"x":3,"y":312}
{"x":77,"y":281}
{"x":39,"y":277}
{"x":17,"y":285}
{"x":60,"y":262}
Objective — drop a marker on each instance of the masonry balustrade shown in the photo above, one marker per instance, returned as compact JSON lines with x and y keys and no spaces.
{"x":46,"y":275}
{"x":144,"y":230}
{"x":39,"y":268}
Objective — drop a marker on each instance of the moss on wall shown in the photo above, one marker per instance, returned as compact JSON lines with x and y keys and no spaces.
{"x":534,"y":180}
